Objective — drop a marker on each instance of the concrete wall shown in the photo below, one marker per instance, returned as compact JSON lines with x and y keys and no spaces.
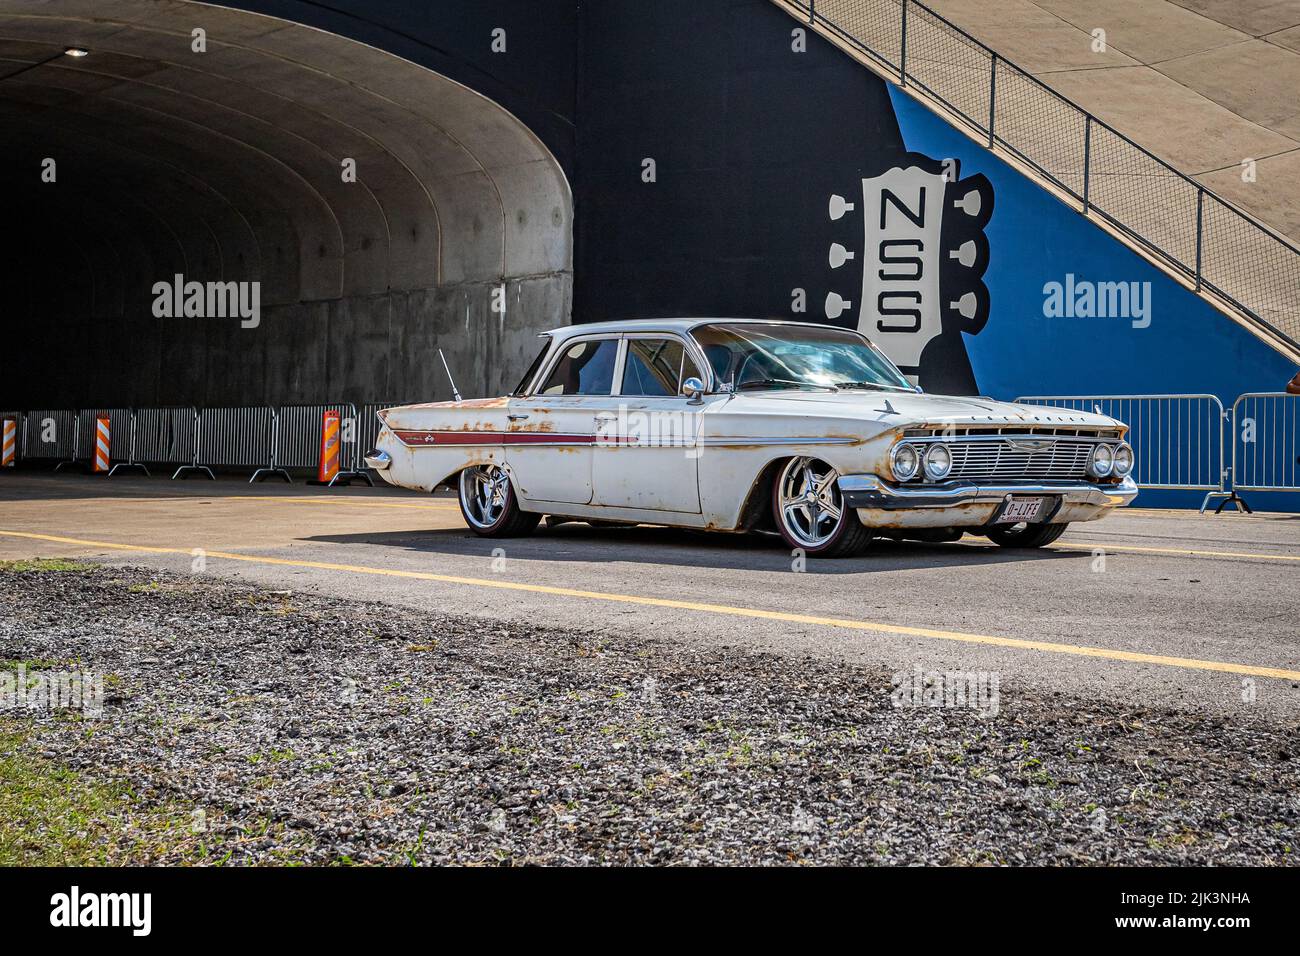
{"x":534,"y":78}
{"x":359,"y":348}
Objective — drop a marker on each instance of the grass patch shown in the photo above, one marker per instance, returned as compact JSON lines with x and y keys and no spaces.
{"x":51,"y":816}
{"x":43,"y":565}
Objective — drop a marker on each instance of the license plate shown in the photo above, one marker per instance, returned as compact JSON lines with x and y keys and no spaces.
{"x":1021,"y":509}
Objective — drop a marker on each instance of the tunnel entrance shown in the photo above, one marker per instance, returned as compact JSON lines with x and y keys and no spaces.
{"x":383,"y":210}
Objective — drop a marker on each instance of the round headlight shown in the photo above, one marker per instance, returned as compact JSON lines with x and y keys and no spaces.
{"x":1123,"y":465}
{"x":905,"y":461}
{"x":938,"y":462}
{"x":1102,"y":461}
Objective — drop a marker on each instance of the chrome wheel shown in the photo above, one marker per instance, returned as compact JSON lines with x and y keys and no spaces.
{"x":484,"y":495}
{"x":809,"y":503}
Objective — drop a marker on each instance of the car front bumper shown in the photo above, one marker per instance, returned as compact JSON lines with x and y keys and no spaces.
{"x":958,"y":503}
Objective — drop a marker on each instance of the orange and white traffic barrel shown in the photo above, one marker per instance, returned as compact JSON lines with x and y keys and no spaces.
{"x":102,"y":445}
{"x":8,"y":443}
{"x":329,"y":448}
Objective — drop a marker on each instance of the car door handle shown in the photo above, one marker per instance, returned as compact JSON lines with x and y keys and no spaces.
{"x":516,"y":418}
{"x":606,"y":416}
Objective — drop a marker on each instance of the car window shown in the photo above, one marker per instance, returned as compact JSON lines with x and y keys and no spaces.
{"x":791,"y":355}
{"x":532,"y":369}
{"x":655,"y":367}
{"x":585,"y":368}
{"x":719,"y":357}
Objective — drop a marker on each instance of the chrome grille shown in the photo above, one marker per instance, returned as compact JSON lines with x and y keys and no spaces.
{"x":997,"y":460}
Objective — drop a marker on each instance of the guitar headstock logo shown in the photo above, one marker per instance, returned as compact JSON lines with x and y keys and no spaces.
{"x":922,"y":258}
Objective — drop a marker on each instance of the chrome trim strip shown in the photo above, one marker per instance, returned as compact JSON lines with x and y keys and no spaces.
{"x":870,"y":491}
{"x":500,"y":444}
{"x":730,"y":441}
{"x":1013,"y":438}
{"x":773,"y":440}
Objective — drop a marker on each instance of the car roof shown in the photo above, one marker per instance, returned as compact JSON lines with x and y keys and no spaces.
{"x":678,"y":325}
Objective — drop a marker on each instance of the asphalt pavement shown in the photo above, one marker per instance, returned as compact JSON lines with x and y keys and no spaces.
{"x":1155,"y":608}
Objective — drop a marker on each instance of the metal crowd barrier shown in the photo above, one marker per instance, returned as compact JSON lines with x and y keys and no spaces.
{"x":1177,"y":439}
{"x":298,"y":440}
{"x":234,"y":437}
{"x":368,"y":428}
{"x":266,"y":439}
{"x":1266,"y":442}
{"x":163,"y":435}
{"x":50,"y":434}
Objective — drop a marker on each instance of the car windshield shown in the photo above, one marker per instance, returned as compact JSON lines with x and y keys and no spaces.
{"x":756,"y":356}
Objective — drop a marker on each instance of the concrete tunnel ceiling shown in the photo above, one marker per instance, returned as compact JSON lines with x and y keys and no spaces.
{"x":227,"y":165}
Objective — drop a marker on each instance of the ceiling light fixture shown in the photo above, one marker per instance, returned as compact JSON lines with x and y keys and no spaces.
{"x":76,"y":51}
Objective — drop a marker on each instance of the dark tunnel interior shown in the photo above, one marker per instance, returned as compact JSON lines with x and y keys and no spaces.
{"x":147,"y":159}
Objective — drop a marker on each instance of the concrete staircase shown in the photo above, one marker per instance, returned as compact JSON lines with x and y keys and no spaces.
{"x":1246,"y":269}
{"x":1204,"y":84}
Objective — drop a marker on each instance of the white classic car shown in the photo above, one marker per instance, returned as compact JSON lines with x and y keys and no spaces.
{"x":748,"y":425}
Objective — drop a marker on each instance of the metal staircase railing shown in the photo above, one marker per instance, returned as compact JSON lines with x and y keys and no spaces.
{"x":1216,"y":247}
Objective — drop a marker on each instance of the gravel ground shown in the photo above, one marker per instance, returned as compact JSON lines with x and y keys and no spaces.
{"x":318,"y":730}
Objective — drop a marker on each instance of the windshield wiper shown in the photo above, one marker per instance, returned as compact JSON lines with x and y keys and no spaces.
{"x":783,"y":383}
{"x":873,"y":385}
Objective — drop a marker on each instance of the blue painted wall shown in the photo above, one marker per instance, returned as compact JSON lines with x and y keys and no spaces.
{"x":1034,"y":239}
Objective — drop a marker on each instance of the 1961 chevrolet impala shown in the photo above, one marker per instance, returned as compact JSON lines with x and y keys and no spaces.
{"x":736,"y":425}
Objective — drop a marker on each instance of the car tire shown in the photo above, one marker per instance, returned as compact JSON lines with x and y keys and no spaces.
{"x":798,"y":523}
{"x":488,"y":503}
{"x":1030,"y":536}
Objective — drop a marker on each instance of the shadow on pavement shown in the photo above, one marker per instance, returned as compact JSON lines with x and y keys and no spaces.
{"x":693,"y":549}
{"x":33,"y":485}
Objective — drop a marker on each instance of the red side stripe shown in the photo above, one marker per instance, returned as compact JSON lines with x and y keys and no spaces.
{"x":490,"y":438}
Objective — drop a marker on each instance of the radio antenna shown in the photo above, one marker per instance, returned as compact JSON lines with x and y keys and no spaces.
{"x":455,"y":394}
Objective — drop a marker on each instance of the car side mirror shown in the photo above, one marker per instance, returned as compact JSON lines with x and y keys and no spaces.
{"x":693,"y":389}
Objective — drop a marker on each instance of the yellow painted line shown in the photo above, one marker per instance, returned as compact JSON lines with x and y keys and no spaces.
{"x":1077,"y":650}
{"x":1181,"y":552}
{"x":290,"y":499}
{"x":1137,"y":512}
{"x":979,"y":541}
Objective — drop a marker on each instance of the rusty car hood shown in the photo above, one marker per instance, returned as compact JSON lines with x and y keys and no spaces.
{"x":915,"y":409}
